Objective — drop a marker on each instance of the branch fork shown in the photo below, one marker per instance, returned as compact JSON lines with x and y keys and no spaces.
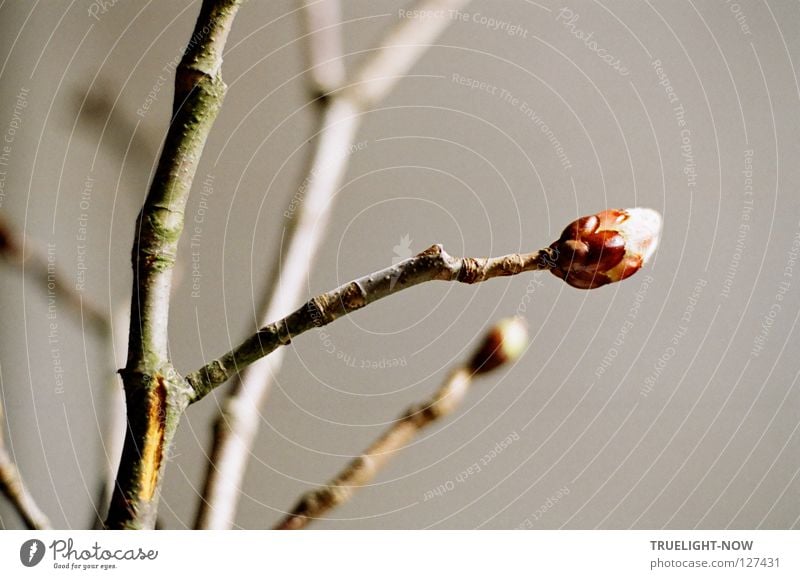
{"x":157,"y":396}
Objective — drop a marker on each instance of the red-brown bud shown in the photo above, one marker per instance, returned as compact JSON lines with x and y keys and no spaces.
{"x":610,"y":246}
{"x":503,"y":343}
{"x":9,"y":245}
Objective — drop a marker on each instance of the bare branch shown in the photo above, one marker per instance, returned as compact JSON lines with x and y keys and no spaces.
{"x":400,"y":49}
{"x":14,"y":489}
{"x":323,"y":21}
{"x":20,"y":251}
{"x":430,"y":265}
{"x":503,"y":343}
{"x":114,"y":419}
{"x":155,"y":394}
{"x":236,"y":427}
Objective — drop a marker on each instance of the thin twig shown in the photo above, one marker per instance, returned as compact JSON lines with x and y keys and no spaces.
{"x":114,"y":419}
{"x":237,"y":425}
{"x":361,"y":470}
{"x":432,"y":264}
{"x":503,"y":343}
{"x":400,"y":49}
{"x":14,"y":489}
{"x":156,"y":395}
{"x":323,"y":22}
{"x":21,"y":252}
{"x":341,"y":107}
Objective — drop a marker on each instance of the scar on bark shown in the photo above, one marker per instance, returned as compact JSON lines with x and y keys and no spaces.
{"x":153,"y":448}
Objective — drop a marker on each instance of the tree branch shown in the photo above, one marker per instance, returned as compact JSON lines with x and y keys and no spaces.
{"x":503,"y":343}
{"x":430,"y":265}
{"x":237,"y":425}
{"x":155,"y":394}
{"x":341,"y":107}
{"x":14,"y":489}
{"x":20,"y":251}
{"x":400,"y":49}
{"x":324,"y":45}
{"x":362,"y":469}
{"x":113,"y":428}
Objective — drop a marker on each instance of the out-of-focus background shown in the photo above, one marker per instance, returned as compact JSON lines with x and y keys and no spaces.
{"x":670,"y":400}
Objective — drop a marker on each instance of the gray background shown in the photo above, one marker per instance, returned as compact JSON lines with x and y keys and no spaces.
{"x":712,"y":442}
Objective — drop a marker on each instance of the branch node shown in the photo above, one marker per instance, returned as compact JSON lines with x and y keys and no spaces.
{"x":435,"y":250}
{"x":470,"y":270}
{"x":284,"y":334}
{"x":320,"y":97}
{"x":354,"y":297}
{"x":548,"y":257}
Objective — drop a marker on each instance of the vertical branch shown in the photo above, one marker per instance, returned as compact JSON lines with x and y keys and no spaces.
{"x":113,"y":404}
{"x":155,"y":394}
{"x":14,"y":489}
{"x":324,"y":45}
{"x":341,"y":106}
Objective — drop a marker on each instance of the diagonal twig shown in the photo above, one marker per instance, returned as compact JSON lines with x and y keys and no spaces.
{"x":502,"y":344}
{"x":14,"y":489}
{"x":433,"y":264}
{"x":21,"y":252}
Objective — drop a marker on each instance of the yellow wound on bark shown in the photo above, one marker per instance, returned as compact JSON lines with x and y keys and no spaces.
{"x":153,"y":447}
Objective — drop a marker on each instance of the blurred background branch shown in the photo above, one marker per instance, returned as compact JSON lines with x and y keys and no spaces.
{"x":503,"y":343}
{"x":342,"y":104}
{"x":21,"y":252}
{"x":14,"y":489}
